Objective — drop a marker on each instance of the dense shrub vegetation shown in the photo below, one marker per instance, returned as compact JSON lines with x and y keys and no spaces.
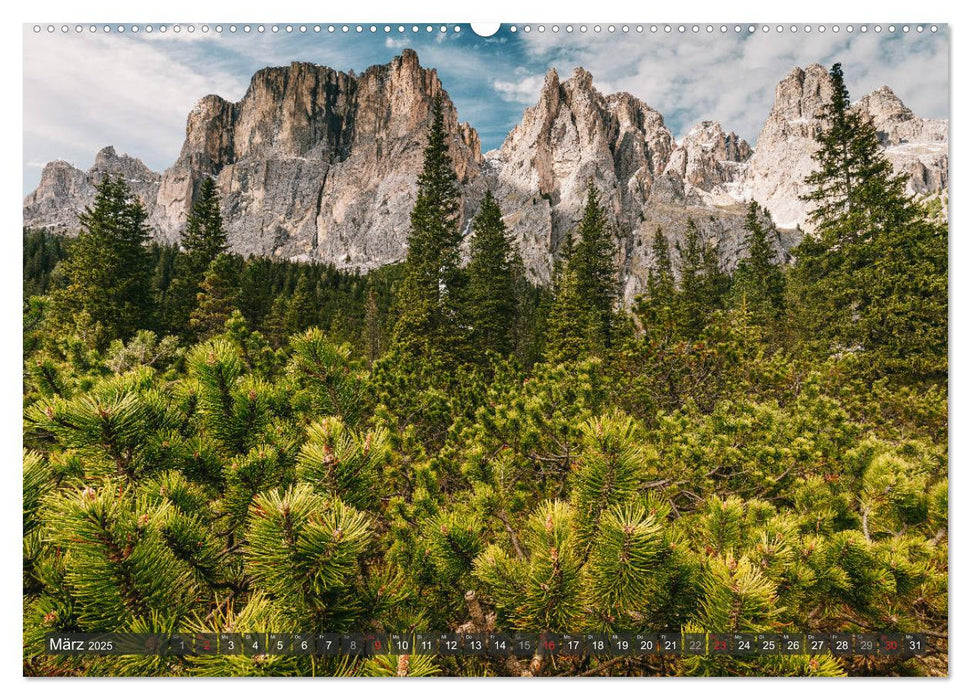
{"x":213,"y":443}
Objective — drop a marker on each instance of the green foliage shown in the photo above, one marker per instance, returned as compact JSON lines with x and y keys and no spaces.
{"x":582,"y":318}
{"x":594,"y":264}
{"x":337,"y":461}
{"x":759,"y":283}
{"x":427,"y":447}
{"x":203,"y":242}
{"x":303,"y":550}
{"x":119,"y":566}
{"x":872,"y":277}
{"x":106,"y":274}
{"x":217,"y":298}
{"x":144,"y":350}
{"x":429,"y":310}
{"x":331,"y":382}
{"x":606,"y":474}
{"x":492,"y":285}
{"x":701,"y":283}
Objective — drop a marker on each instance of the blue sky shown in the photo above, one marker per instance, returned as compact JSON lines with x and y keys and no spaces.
{"x":86,"y":90}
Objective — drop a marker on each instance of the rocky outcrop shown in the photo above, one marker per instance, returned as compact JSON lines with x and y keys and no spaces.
{"x":710,"y":164}
{"x":64,"y":191}
{"x":783,"y":153}
{"x":915,"y":146}
{"x":574,"y":135}
{"x":316,"y":164}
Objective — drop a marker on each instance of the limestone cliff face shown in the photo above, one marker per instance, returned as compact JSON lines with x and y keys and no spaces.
{"x":64,"y":191}
{"x":575,"y":135}
{"x":915,"y":146}
{"x":571,"y":136}
{"x":316,"y":164}
{"x":783,"y":153}
{"x":709,"y":163}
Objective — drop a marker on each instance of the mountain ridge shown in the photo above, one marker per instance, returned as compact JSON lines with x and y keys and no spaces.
{"x":317,"y":164}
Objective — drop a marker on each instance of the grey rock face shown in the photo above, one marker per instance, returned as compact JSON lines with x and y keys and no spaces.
{"x":575,"y":135}
{"x":572,"y":136}
{"x":64,"y":191}
{"x":915,"y":146}
{"x":316,"y":164}
{"x":783,"y":153}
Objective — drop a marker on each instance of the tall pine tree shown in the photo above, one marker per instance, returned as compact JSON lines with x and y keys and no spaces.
{"x":492,"y":303}
{"x":655,"y":307}
{"x":107,"y":291}
{"x":203,"y":240}
{"x":429,"y":310}
{"x":872,"y":276}
{"x":217,"y":299}
{"x":759,"y":283}
{"x":594,"y":266}
{"x":854,"y":189}
{"x":570,"y":319}
{"x":693,"y":300}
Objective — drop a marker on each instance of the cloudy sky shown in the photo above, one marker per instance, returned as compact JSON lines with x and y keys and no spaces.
{"x":85,"y":90}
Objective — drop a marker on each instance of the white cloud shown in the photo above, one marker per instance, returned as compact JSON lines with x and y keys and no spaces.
{"x":83,"y":92}
{"x":524,"y":89}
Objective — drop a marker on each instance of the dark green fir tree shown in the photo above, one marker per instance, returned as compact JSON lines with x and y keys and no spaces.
{"x":594,"y":265}
{"x":656,"y":306}
{"x":492,"y":287}
{"x":107,"y":275}
{"x":693,"y":300}
{"x":203,"y":240}
{"x":759,"y":283}
{"x":217,"y":299}
{"x":429,"y":309}
{"x":872,"y":275}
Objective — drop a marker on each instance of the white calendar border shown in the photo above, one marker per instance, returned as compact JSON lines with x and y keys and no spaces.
{"x":603,"y":11}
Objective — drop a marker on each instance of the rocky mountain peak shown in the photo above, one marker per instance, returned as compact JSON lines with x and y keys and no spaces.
{"x":801,"y":93}
{"x":572,"y":136}
{"x":708,"y":163}
{"x":884,"y":101}
{"x":315,"y":163}
{"x":582,"y":79}
{"x":914,"y":145}
{"x":783,"y":158}
{"x":318,"y":164}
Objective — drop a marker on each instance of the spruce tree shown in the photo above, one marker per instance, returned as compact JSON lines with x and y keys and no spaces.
{"x":431,"y":293}
{"x":203,"y":240}
{"x":492,"y":303}
{"x":716,"y":282}
{"x":854,"y":189}
{"x":217,"y":299}
{"x":204,"y":237}
{"x":655,"y":307}
{"x":107,"y":290}
{"x":302,"y":307}
{"x":693,"y":300}
{"x":759,"y":283}
{"x":594,"y":265}
{"x":569,"y":320}
{"x":373,"y":332}
{"x":870,"y":277}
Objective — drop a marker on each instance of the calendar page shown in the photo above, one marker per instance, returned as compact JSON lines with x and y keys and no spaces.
{"x":521,"y":350}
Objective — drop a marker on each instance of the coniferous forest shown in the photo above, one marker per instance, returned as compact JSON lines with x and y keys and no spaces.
{"x":214,"y":444}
